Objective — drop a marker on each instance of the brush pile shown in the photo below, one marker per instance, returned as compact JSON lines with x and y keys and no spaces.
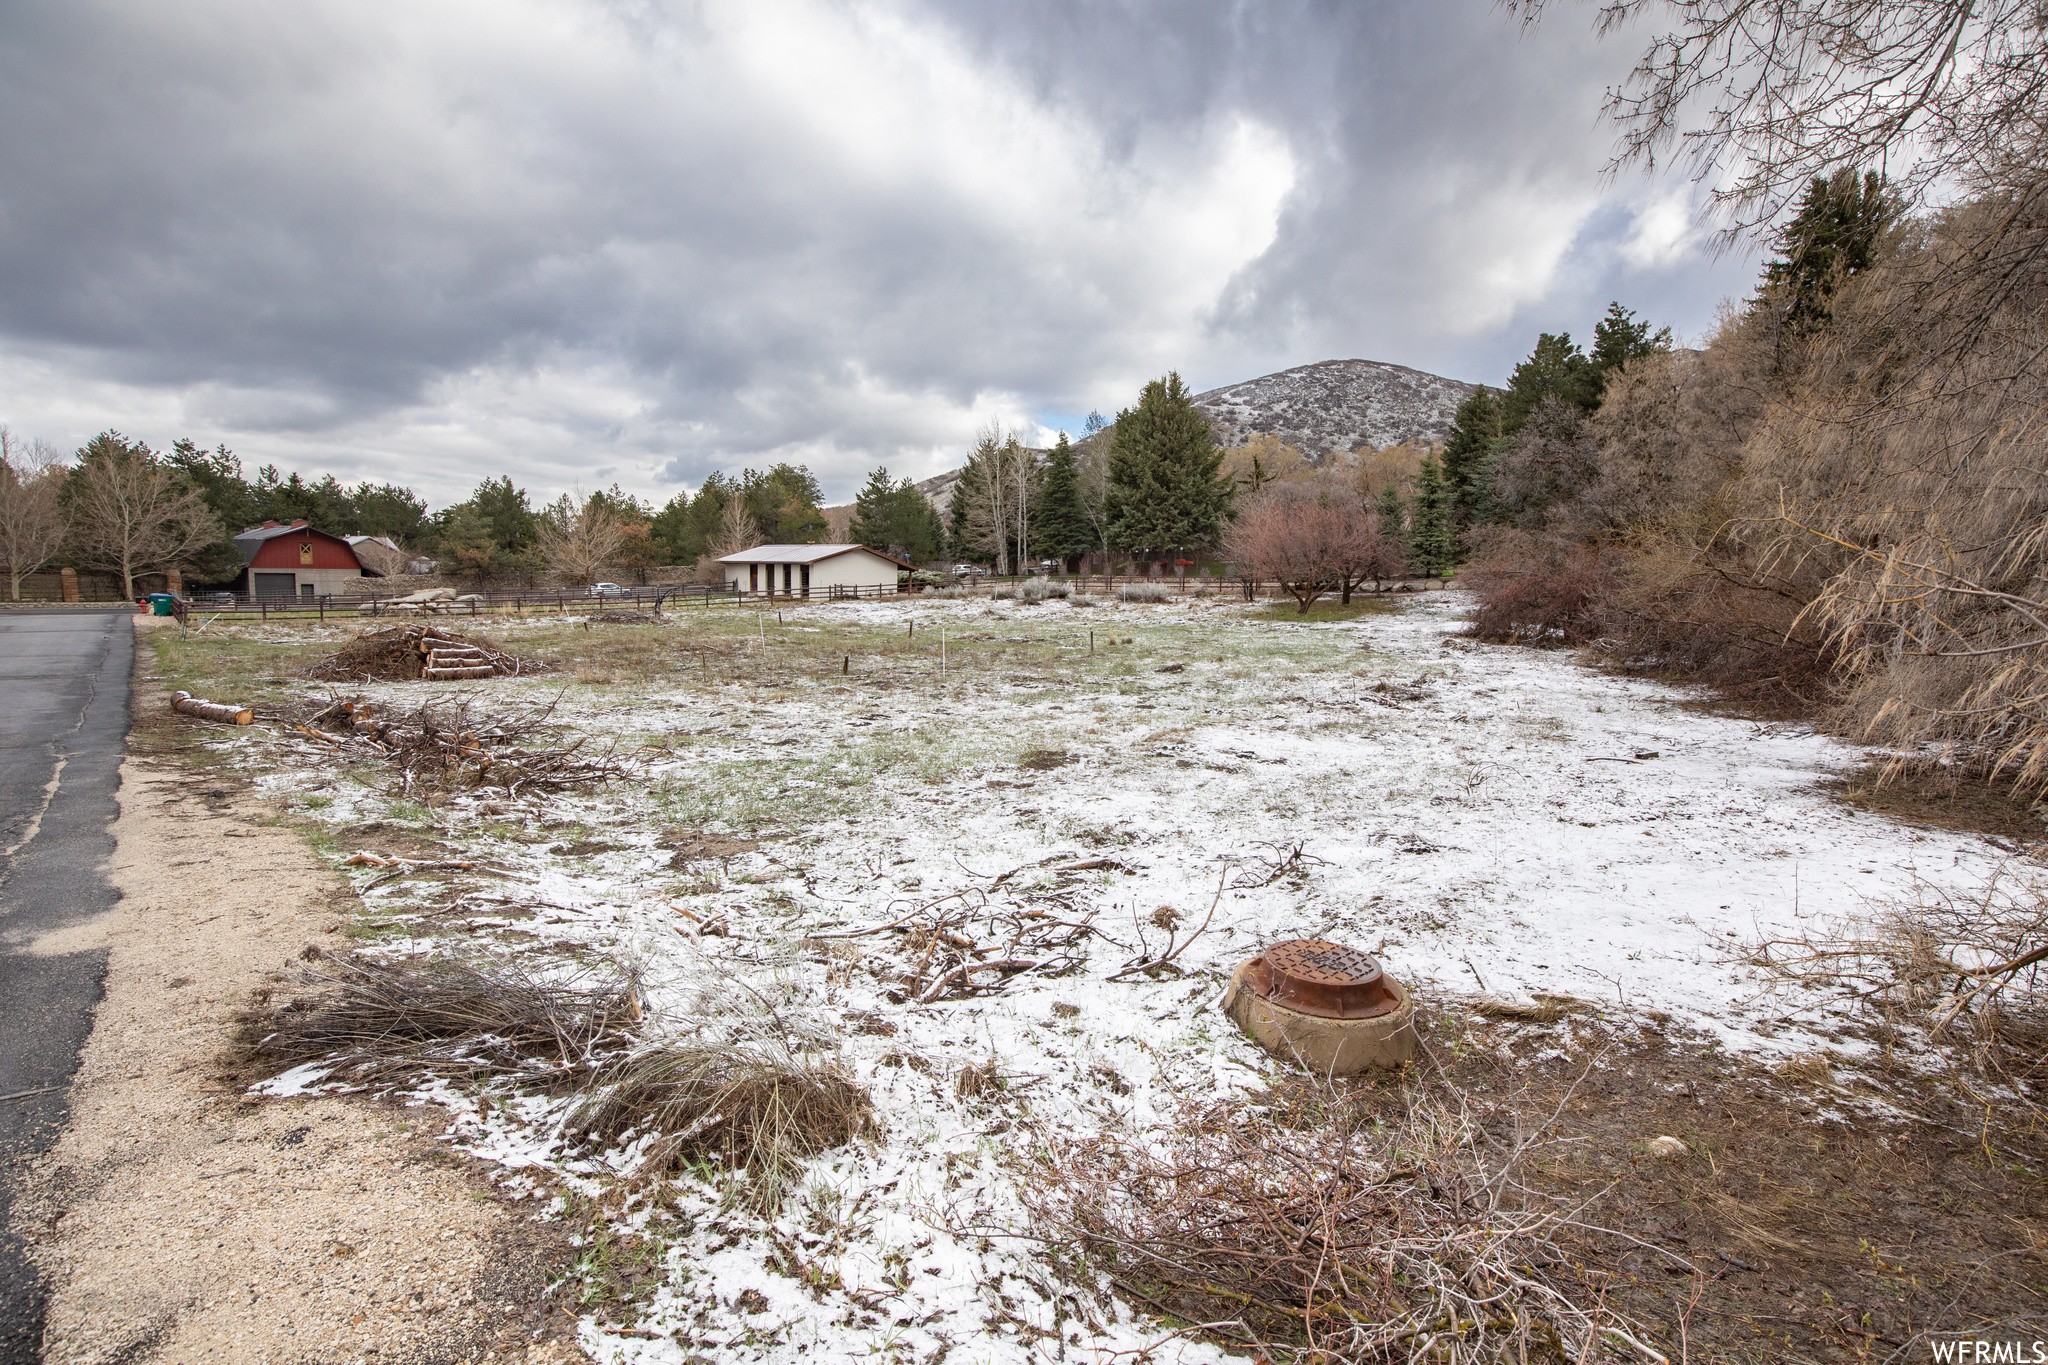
{"x":965,"y":944}
{"x":377,"y":1019}
{"x":455,"y":745}
{"x":406,"y":653}
{"x":1306,"y":1228}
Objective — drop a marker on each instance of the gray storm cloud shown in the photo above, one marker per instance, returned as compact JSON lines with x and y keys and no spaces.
{"x":576,"y":243}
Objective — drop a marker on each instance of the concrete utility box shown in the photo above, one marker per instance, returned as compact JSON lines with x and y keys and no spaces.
{"x":1323,"y":1005}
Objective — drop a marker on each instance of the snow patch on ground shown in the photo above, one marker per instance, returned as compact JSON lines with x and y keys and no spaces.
{"x":1478,"y":817}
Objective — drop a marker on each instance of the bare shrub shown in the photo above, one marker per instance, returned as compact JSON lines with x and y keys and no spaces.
{"x":1145,"y":592}
{"x":1546,"y":464}
{"x":1302,"y":1226}
{"x":1311,"y":539}
{"x":442,"y":1015}
{"x":1964,"y":966}
{"x":1536,"y":589}
{"x":751,"y":1105}
{"x":1912,"y":468}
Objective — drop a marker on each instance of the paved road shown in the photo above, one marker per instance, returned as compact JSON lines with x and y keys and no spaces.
{"x":64,"y":676}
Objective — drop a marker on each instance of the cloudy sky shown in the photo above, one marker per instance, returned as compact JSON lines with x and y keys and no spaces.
{"x":586,"y":241}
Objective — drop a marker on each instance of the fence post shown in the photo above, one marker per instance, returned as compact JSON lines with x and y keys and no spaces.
{"x":323,"y":608}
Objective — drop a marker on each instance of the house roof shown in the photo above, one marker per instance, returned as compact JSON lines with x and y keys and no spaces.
{"x":804,"y":554}
{"x":251,"y":540}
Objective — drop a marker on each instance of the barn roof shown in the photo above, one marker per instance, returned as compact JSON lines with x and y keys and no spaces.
{"x":248,"y":542}
{"x":804,"y":554}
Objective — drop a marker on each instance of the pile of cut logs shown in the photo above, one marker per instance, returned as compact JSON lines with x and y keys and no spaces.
{"x":452,"y":658}
{"x":419,"y":651}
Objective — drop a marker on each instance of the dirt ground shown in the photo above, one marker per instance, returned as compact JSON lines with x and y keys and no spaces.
{"x":180,"y":1221}
{"x":1819,"y":1212}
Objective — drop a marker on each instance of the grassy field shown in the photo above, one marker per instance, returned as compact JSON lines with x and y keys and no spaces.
{"x":1564,"y":864}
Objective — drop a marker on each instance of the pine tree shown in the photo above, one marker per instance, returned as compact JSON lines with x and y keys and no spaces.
{"x":1834,"y":235}
{"x":1166,"y":491}
{"x":1060,"y":526}
{"x":1556,"y":368}
{"x":871,"y":509}
{"x":1473,"y":431}
{"x":1621,"y":337}
{"x":1392,"y":521}
{"x":1432,"y":543}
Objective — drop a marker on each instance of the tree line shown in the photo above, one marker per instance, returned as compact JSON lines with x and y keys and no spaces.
{"x":1839,"y":504}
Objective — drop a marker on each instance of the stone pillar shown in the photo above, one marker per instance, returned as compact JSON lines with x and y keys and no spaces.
{"x":69,"y":578}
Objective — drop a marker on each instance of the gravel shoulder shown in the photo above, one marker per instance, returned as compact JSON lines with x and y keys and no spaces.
{"x":179,"y":1220}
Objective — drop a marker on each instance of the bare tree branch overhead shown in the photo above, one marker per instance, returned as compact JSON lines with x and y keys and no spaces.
{"x":1759,"y":97}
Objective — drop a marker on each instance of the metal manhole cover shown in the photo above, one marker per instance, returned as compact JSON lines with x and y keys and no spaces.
{"x":1311,"y":976}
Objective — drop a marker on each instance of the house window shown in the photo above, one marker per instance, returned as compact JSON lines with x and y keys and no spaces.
{"x":305,"y":589}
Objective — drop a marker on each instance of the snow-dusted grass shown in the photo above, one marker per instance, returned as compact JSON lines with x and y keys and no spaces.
{"x":1477,"y":816}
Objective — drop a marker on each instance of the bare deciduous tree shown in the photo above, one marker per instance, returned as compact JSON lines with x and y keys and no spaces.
{"x":31,"y":516}
{"x":133,"y":514}
{"x":736,"y":531}
{"x":994,"y":497}
{"x":1308,"y":539}
{"x":580,"y":538}
{"x":1784,"y":91}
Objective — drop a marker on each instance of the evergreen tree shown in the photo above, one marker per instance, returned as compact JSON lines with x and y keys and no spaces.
{"x":1392,"y":520}
{"x":1833,"y":236}
{"x":785,"y":503}
{"x":871,"y":509}
{"x":1432,"y":541}
{"x":1621,"y":337}
{"x":1060,"y":523}
{"x":898,"y":518}
{"x":1166,"y":491}
{"x":1556,"y":368}
{"x":1473,"y":431}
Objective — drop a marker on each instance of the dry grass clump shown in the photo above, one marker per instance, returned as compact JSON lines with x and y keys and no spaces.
{"x":442,"y":1015}
{"x":1305,"y":1228}
{"x":750,"y":1105}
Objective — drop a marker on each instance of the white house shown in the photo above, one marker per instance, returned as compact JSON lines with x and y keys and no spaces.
{"x":812,"y":570}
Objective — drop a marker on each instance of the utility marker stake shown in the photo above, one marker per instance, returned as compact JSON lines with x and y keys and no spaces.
{"x":846,"y":665}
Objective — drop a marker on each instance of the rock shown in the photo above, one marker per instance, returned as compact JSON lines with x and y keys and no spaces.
{"x":1667,"y":1148}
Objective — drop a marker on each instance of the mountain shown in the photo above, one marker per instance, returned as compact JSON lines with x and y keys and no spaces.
{"x":1336,"y":405}
{"x":1329,"y":406}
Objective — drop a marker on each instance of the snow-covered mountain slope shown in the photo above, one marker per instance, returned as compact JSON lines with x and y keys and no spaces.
{"x":1336,"y":405}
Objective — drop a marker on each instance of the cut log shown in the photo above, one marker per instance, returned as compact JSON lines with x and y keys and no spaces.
{"x":190,"y":705}
{"x":473,"y":671}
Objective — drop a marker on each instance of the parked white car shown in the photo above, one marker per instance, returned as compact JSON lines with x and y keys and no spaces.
{"x":962,"y":570}
{"x":609,"y":590}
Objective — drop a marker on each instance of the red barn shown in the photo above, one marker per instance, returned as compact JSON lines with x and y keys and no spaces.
{"x":291,"y":559}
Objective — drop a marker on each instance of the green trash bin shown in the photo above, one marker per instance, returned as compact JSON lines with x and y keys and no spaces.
{"x":162,"y":604}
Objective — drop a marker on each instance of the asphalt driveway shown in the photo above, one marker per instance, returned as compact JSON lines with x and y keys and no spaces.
{"x":63,"y":727}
